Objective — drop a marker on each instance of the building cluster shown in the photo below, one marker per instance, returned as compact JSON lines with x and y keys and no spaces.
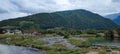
{"x":17,"y":31}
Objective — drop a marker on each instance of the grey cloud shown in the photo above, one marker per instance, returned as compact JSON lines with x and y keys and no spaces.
{"x":12,"y":15}
{"x":3,"y":11}
{"x":116,"y":0}
{"x":18,"y":8}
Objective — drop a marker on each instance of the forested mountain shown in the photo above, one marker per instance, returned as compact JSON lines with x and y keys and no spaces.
{"x":73,"y":19}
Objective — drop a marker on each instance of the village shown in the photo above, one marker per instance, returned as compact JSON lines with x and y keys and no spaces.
{"x":113,"y":34}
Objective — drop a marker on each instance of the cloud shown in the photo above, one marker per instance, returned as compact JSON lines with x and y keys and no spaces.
{"x":12,"y":15}
{"x":19,"y":8}
{"x":102,"y":7}
{"x":116,"y":0}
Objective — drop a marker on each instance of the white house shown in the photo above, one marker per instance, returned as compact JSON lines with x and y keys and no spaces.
{"x":8,"y":31}
{"x":17,"y":31}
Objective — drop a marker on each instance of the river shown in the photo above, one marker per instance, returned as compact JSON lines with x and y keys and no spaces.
{"x":117,"y":44}
{"x":9,"y":49}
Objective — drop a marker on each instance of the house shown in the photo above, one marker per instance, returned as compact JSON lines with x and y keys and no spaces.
{"x":29,"y":33}
{"x":9,"y":32}
{"x":32,"y":33}
{"x":101,"y":34}
{"x":12,"y":31}
{"x":115,"y":33}
{"x":16,"y":31}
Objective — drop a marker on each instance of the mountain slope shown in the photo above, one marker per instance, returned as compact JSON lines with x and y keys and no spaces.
{"x":74,"y":19}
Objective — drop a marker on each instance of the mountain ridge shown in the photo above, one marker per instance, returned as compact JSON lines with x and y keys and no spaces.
{"x":75,"y":19}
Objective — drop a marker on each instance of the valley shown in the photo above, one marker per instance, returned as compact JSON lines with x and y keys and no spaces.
{"x":63,"y":32}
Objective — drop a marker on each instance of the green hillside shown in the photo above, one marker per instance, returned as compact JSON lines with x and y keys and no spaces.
{"x":72,"y":19}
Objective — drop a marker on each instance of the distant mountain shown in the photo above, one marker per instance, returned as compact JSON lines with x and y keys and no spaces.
{"x":117,"y":20}
{"x":114,"y":17}
{"x":72,"y":19}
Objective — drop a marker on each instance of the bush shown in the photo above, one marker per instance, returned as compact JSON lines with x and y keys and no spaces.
{"x":102,"y":52}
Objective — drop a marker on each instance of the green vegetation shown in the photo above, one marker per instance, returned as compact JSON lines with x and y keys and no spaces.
{"x":32,"y":41}
{"x":102,"y":52}
{"x":80,"y":43}
{"x":73,"y":37}
{"x":87,"y":43}
{"x":118,"y":30}
{"x":80,"y":51}
{"x":21,"y":40}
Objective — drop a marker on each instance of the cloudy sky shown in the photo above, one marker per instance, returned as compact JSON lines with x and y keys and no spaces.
{"x":18,"y":8}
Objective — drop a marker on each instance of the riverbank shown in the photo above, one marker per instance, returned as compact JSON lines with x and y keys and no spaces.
{"x":56,"y":44}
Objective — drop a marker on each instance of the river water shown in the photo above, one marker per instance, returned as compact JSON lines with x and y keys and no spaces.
{"x":8,"y":49}
{"x":114,"y":44}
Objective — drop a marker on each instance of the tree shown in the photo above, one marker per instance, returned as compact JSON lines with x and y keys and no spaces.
{"x":25,"y":25}
{"x":91,"y":31}
{"x":65,"y":34}
{"x":118,"y":30}
{"x":109,"y":35}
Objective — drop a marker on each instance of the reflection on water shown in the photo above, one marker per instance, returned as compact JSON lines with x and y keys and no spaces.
{"x":5,"y":49}
{"x":115,"y":42}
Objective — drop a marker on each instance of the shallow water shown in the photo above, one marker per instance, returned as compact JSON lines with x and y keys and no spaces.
{"x":8,"y":49}
{"x":114,"y":44}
